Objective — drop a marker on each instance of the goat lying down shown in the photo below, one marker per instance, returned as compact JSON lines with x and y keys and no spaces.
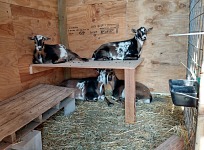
{"x":123,"y":50}
{"x":118,"y":88}
{"x":57,"y":53}
{"x":89,"y":89}
{"x":93,"y":88}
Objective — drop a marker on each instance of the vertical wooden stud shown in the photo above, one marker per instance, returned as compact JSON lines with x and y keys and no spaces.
{"x":199,"y":144}
{"x":62,"y":6}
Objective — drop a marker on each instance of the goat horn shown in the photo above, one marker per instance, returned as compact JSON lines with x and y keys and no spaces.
{"x":47,"y":38}
{"x":31,"y":38}
{"x":149,"y":29}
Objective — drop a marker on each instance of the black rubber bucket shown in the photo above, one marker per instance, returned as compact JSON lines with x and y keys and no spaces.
{"x":184,"y":92}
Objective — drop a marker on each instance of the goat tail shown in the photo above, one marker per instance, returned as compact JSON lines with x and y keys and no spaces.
{"x":82,"y":59}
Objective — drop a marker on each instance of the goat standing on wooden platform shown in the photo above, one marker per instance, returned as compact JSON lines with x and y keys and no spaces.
{"x":57,"y":53}
{"x":123,"y":50}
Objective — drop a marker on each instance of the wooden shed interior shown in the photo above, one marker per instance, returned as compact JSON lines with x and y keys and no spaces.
{"x":90,"y":24}
{"x":83,"y":25}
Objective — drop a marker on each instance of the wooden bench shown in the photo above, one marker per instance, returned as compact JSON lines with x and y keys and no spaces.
{"x":25,"y":111}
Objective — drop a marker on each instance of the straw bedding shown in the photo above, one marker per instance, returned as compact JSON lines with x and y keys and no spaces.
{"x":95,"y":126}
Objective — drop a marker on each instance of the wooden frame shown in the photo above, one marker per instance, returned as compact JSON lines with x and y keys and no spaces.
{"x":129,"y":67}
{"x":200,"y":121}
{"x":25,"y":111}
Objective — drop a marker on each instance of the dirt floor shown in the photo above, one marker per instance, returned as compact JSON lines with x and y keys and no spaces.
{"x":95,"y":126}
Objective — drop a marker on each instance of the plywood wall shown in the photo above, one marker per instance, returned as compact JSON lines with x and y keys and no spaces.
{"x":9,"y":76}
{"x":18,"y":20}
{"x":92,"y":23}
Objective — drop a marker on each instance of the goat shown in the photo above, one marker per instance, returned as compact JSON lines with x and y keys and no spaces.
{"x":89,"y":89}
{"x":123,"y":50}
{"x":57,"y":53}
{"x":118,"y":88}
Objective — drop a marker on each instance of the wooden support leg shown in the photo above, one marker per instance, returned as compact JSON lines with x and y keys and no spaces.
{"x":38,"y":119}
{"x":11,"y":138}
{"x":130,"y":95}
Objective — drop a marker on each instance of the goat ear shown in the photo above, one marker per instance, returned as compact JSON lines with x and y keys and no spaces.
{"x":31,"y":38}
{"x":149,"y":29}
{"x":134,"y":30}
{"x":46,"y":38}
{"x":98,"y":70}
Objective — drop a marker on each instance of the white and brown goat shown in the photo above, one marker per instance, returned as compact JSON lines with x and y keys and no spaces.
{"x":118,"y":88}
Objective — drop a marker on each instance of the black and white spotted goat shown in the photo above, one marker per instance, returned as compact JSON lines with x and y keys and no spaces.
{"x":89,"y":89}
{"x":123,"y":50}
{"x":57,"y":53}
{"x":118,"y":88}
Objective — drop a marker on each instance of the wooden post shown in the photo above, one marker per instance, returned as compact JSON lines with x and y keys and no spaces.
{"x":199,"y":144}
{"x":62,"y":6}
{"x":130,"y":95}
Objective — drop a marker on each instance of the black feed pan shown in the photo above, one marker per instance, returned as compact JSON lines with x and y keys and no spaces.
{"x":181,"y":82}
{"x":184,"y":92}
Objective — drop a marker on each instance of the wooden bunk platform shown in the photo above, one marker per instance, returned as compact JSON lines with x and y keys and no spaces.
{"x":129,"y":67}
{"x":114,"y":64}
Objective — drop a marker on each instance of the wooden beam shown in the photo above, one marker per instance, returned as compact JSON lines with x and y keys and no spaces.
{"x":114,"y":64}
{"x":199,"y":144}
{"x":172,"y":143}
{"x":63,"y":22}
{"x":62,"y":7}
{"x":130,"y":95}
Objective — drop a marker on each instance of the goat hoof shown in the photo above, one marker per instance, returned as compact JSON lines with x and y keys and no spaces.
{"x":110,"y":105}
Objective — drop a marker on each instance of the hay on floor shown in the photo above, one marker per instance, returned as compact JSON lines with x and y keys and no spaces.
{"x":94,"y":125}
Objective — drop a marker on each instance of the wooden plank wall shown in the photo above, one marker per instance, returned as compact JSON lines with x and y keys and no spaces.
{"x":92,"y":23}
{"x":18,"y":20}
